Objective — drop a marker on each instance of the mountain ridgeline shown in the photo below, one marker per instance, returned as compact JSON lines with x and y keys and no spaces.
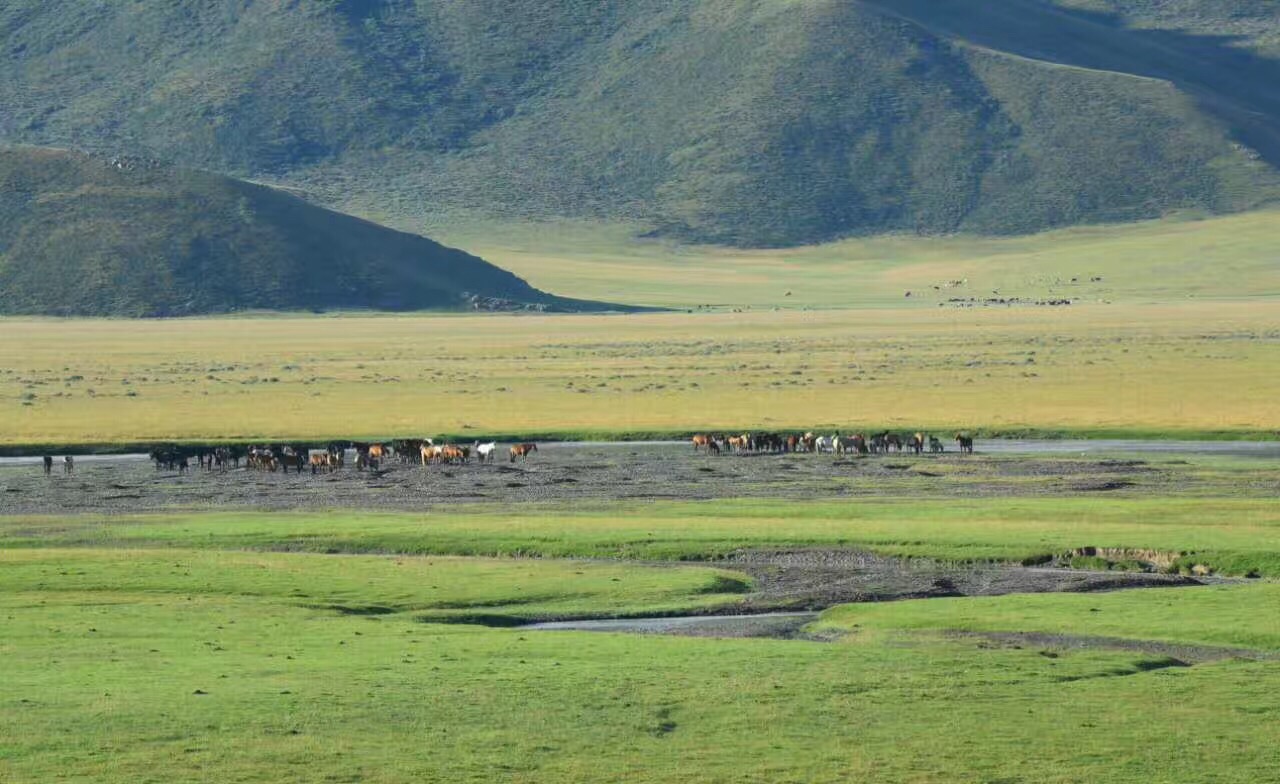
{"x":741,"y":122}
{"x":81,"y":236}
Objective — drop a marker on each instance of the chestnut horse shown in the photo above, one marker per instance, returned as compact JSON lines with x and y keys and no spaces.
{"x":522,"y":451}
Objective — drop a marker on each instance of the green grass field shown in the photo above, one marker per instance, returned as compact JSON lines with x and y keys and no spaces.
{"x":159,"y":649}
{"x":1237,"y":537}
{"x":1169,"y":260}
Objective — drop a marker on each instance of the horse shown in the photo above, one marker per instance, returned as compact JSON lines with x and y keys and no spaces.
{"x":892,"y":440}
{"x":793,"y":443}
{"x":770,"y":442}
{"x":68,"y":465}
{"x":485,"y":452}
{"x":916,"y":443}
{"x":823,"y":444}
{"x":739,"y":443}
{"x":452,"y":454}
{"x":48,"y":465}
{"x":320,"y":461}
{"x":966,"y":443}
{"x":847,"y":444}
{"x":935,"y":446}
{"x":860,"y":444}
{"x":522,"y":451}
{"x":294,"y":457}
{"x":431,"y":454}
{"x":378,"y":452}
{"x":702,"y":441}
{"x":337,"y":454}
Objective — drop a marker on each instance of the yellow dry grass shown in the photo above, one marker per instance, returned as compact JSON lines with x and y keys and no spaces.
{"x":1194,"y":366}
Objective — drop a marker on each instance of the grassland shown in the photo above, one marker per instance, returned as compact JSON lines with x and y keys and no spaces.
{"x":1153,"y":368}
{"x":1233,"y":536}
{"x":1177,"y":259}
{"x":128,"y":661}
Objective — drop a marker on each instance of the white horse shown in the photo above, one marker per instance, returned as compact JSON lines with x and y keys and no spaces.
{"x":824,"y":444}
{"x":485,"y":452}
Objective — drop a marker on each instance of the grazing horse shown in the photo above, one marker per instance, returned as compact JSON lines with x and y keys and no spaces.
{"x":823,"y":444}
{"x":935,"y":446}
{"x":48,"y":465}
{"x":966,"y":443}
{"x":522,"y":451}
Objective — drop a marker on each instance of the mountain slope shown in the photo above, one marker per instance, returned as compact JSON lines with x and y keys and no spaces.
{"x":744,"y":122}
{"x":126,"y":237}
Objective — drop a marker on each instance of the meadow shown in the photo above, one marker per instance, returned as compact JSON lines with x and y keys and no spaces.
{"x":187,"y":646}
{"x":200,"y":641}
{"x":1168,"y":316}
{"x":1155,"y":368}
{"x":1233,"y":536}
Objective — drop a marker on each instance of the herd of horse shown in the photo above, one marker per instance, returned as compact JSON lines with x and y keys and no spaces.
{"x":425,"y":452}
{"x":880,"y":443}
{"x":299,"y":457}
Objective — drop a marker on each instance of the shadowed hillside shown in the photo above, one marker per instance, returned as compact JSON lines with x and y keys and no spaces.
{"x":128,"y":237}
{"x":742,"y":122}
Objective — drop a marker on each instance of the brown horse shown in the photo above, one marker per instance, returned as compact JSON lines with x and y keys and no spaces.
{"x":294,"y":459}
{"x":701,"y":442}
{"x":522,"y":451}
{"x":966,"y":443}
{"x":916,"y":443}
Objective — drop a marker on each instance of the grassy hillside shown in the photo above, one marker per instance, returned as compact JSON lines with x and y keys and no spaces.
{"x":127,"y":237}
{"x":750,"y":123}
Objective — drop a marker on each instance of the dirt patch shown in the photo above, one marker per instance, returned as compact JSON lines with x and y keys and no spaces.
{"x":815,"y":579}
{"x":1186,"y":655}
{"x":603,"y":472}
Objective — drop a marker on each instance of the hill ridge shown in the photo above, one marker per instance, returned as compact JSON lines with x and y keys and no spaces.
{"x":754,"y":123}
{"x":133,"y":236}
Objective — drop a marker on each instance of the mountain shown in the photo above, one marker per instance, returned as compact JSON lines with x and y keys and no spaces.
{"x":130,"y":237}
{"x":742,"y":122}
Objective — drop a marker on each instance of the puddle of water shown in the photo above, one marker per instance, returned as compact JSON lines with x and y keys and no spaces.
{"x":57,"y":459}
{"x":669,"y":625}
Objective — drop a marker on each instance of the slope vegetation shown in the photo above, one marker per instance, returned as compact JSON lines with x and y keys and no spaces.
{"x":128,"y":237}
{"x":742,"y":122}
